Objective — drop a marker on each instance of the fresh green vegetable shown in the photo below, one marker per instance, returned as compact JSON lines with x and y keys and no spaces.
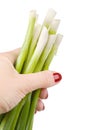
{"x":3,"y":122}
{"x":36,"y":93}
{"x":42,"y":41}
{"x":51,"y":13}
{"x":49,"y":17}
{"x":36,"y":34}
{"x":37,"y":53}
{"x":22,"y":121}
{"x":51,"y":41}
{"x":54,"y":26}
{"x":24,"y":51}
{"x":40,"y":45}
{"x":52,"y":52}
{"x":46,"y":22}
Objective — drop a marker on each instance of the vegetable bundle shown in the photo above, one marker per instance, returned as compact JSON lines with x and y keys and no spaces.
{"x":40,"y":45}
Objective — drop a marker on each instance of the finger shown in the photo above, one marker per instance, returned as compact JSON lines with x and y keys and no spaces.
{"x":40,"y":105}
{"x":44,"y":79}
{"x":44,"y":93}
{"x":12,"y":55}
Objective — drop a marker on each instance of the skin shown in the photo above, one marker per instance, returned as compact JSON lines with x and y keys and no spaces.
{"x":14,"y":86}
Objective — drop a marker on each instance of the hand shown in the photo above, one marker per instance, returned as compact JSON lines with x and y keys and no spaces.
{"x":14,"y":86}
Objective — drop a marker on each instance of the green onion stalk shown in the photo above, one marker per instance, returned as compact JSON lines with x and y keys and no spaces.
{"x":35,"y":38}
{"x":25,"y":49}
{"x":49,"y":17}
{"x":54,"y":26}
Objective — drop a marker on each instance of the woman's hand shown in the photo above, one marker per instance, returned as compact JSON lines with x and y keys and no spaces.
{"x":14,"y":86}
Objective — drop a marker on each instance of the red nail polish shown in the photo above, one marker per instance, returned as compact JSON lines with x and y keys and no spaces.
{"x":57,"y":77}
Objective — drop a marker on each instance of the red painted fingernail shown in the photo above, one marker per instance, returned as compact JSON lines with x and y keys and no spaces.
{"x":57,"y":77}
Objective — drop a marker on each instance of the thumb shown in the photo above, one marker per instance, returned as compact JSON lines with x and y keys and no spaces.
{"x":43,"y":79}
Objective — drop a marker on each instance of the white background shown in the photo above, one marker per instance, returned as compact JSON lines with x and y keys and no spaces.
{"x":66,"y":107}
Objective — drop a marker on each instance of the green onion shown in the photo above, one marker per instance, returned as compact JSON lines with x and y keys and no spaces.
{"x":24,"y":51}
{"x":54,"y":26}
{"x":28,"y":59}
{"x":52,"y":52}
{"x":32,"y":48}
{"x":36,"y":34}
{"x":45,"y":53}
{"x":39,"y":48}
{"x":29,"y":69}
{"x":40,"y":45}
{"x":49,"y":17}
{"x":36,"y":93}
{"x":26,"y":65}
{"x":3,"y":122}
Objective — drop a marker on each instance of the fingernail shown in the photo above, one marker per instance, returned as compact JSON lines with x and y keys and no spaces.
{"x":57,"y":77}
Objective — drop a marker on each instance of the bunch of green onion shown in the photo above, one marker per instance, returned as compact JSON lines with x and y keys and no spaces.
{"x":40,"y":45}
